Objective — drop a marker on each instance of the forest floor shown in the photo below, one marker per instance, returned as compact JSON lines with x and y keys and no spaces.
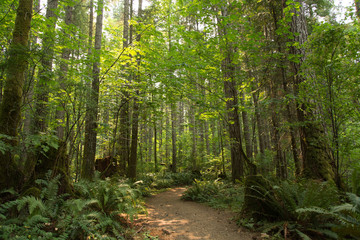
{"x":171,"y":218}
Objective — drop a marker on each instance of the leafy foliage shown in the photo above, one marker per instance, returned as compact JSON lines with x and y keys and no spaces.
{"x":95,"y":212}
{"x":344,"y":218}
{"x":284,"y":199}
{"x":217,"y":193}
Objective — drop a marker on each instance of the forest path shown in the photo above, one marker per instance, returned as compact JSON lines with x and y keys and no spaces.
{"x":171,"y":218}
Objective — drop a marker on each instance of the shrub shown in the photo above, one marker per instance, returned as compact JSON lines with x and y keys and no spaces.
{"x":217,"y":193}
{"x":94,"y":213}
{"x":281,"y":202}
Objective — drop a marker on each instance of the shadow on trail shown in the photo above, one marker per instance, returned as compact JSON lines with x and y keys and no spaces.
{"x":176,"y":219}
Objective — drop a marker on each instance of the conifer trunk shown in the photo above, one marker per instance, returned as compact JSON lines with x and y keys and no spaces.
{"x":10,"y":108}
{"x":88,"y":166}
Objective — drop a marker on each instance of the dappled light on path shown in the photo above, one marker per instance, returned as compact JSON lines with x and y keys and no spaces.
{"x":171,"y":218}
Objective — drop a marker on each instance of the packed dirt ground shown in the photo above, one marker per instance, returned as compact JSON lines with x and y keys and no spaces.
{"x":171,"y":218}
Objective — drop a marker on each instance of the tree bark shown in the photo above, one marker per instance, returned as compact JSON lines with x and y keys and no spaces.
{"x":124,"y":132}
{"x":246,"y":127}
{"x":10,"y":108}
{"x":318,"y":163}
{"x":87,"y":170}
{"x":173,"y":137}
{"x":45,"y":73}
{"x":64,"y":66}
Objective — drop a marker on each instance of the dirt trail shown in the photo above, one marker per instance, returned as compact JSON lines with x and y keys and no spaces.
{"x":171,"y":218}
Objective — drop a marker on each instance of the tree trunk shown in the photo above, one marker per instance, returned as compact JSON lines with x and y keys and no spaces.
{"x":10,"y":108}
{"x":64,"y":66}
{"x":45,"y":73}
{"x":135,"y":118}
{"x":87,"y":170}
{"x":318,"y":163}
{"x":237,"y":156}
{"x":247,"y":131}
{"x":173,"y":137}
{"x":134,"y":142}
{"x":39,"y":120}
{"x":124,"y":133}
{"x":192,"y":129}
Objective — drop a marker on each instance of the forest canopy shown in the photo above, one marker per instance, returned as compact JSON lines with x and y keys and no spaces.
{"x":234,"y":88}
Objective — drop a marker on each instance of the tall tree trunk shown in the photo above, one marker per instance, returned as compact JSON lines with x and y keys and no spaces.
{"x":134,"y":142}
{"x":124,"y":133}
{"x":64,"y":66}
{"x":237,"y":156}
{"x":192,"y":129}
{"x":87,"y":170}
{"x":155,"y":150}
{"x":247,"y":131}
{"x":10,"y":108}
{"x":135,"y":118}
{"x":275,"y":120}
{"x":173,"y":137}
{"x":318,"y":163}
{"x":45,"y":73}
{"x":167,"y":136}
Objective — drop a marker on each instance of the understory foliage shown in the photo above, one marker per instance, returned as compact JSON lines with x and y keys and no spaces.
{"x":93,"y":213}
{"x":151,"y":182}
{"x":217,"y":193}
{"x":295,"y":210}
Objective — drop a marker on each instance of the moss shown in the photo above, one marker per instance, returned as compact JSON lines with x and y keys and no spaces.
{"x":318,"y":162}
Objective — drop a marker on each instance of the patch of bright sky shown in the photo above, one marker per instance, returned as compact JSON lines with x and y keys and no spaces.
{"x":341,"y":7}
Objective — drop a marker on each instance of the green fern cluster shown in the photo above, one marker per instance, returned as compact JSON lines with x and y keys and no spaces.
{"x":306,"y":211}
{"x":344,"y":218}
{"x":216,"y":193}
{"x":94,"y":213}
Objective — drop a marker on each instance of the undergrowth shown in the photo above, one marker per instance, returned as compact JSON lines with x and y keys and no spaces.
{"x":307,"y":210}
{"x":303,"y":210}
{"x":216,"y":193}
{"x":95,"y":212}
{"x":153,"y":183}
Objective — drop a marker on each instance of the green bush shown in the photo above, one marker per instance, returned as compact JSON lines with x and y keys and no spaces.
{"x":284,"y":199}
{"x":217,"y":193}
{"x":94,"y":213}
{"x":344,"y":218}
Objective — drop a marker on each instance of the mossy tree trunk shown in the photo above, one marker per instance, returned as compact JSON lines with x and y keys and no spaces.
{"x":45,"y":76}
{"x":10,"y":108}
{"x":318,"y":163}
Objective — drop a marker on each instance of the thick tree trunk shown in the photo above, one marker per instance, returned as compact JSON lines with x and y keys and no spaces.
{"x":231,"y":94}
{"x":87,"y":170}
{"x":10,"y":108}
{"x":318,"y":163}
{"x":167,"y":136}
{"x":45,"y":75}
{"x":124,"y":133}
{"x":135,"y":117}
{"x":134,"y":142}
{"x":246,"y":127}
{"x":173,"y":138}
{"x":276,"y":133}
{"x":192,"y":129}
